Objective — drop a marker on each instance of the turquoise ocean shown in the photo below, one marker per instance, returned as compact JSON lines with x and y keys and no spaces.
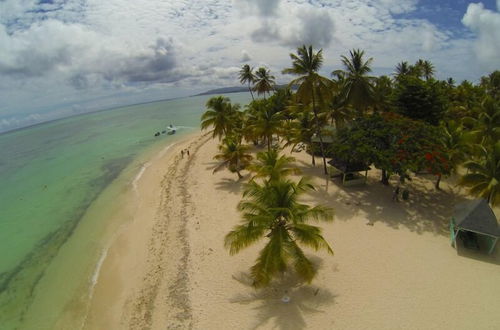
{"x":59,"y":183}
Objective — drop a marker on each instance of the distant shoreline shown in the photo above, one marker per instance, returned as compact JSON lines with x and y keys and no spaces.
{"x":108,"y":109}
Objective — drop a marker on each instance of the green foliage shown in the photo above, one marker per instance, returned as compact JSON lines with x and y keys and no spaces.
{"x":247,"y":76}
{"x":264,"y":81}
{"x":485,"y":125}
{"x":273,"y":167}
{"x":420,"y":100}
{"x":491,"y":84}
{"x":392,"y":143}
{"x":382,"y":93}
{"x":313,"y":88}
{"x":233,"y":155}
{"x":221,"y":115}
{"x":357,"y":87}
{"x":484,"y":177}
{"x":272,"y":211}
{"x":264,"y":120}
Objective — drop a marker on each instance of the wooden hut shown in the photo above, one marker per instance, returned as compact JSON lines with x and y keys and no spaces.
{"x":350,"y":172}
{"x":472,"y":219}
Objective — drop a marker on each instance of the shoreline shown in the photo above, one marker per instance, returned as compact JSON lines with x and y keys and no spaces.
{"x":133,"y":295}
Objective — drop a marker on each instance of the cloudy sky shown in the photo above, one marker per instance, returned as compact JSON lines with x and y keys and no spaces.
{"x":63,"y":57}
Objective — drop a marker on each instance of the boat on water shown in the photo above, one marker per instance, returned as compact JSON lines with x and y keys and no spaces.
{"x":170,"y":130}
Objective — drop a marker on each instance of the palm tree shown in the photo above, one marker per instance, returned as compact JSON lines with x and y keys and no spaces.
{"x":233,"y":155}
{"x":427,"y":69}
{"x":247,"y":76}
{"x":271,"y":210}
{"x":484,"y":177}
{"x":455,"y":142}
{"x":486,"y":127}
{"x":272,"y":166}
{"x":301,"y":130}
{"x":402,"y":69}
{"x":313,"y":88}
{"x":264,"y":121}
{"x":358,"y":86}
{"x":264,"y":82}
{"x":382,"y":91}
{"x":220,"y":115}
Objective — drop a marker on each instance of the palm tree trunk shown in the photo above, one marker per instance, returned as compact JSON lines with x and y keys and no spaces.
{"x":250,"y":91}
{"x":385,"y":178}
{"x":318,"y":132}
{"x":239,"y":175}
{"x":269,"y":138}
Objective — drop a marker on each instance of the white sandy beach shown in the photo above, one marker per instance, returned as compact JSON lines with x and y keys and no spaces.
{"x":393,"y":266}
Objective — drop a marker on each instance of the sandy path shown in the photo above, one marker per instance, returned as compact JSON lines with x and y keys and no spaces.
{"x":143,"y":282}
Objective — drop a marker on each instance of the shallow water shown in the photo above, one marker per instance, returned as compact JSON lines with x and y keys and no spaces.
{"x":64,"y":177}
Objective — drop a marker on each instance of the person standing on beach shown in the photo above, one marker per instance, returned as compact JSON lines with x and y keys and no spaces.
{"x":187,"y":150}
{"x":182,"y":153}
{"x":395,"y":195}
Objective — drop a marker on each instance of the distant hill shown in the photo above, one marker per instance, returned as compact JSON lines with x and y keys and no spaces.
{"x":228,"y":90}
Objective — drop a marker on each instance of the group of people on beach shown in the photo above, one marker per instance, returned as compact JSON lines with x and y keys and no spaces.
{"x":184,"y":151}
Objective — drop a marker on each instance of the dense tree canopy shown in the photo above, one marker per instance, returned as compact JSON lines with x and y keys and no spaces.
{"x":420,"y":100}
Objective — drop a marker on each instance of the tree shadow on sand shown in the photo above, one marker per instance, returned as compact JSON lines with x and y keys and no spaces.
{"x":427,"y":210}
{"x":234,"y":186}
{"x":272,"y":307}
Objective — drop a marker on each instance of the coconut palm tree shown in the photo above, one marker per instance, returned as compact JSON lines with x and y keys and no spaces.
{"x":272,"y":166}
{"x":313,"y":88}
{"x":264,"y":82}
{"x":486,"y":125}
{"x":301,"y":129}
{"x":456,"y":142}
{"x":264,"y":122}
{"x":402,"y":69}
{"x":484,"y":177}
{"x":358,"y":88}
{"x":220,"y":115}
{"x":382,"y":91}
{"x":272,"y":211}
{"x":427,"y":69}
{"x":247,"y":76}
{"x":233,"y":155}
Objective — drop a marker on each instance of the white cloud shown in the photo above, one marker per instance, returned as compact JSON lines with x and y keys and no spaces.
{"x":72,"y":55}
{"x":486,"y":24}
{"x":245,"y":57}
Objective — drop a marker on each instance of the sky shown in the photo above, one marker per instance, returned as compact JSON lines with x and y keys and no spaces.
{"x":64,"y":57}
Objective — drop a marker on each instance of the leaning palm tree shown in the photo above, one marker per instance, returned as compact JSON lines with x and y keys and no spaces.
{"x":233,"y":155}
{"x":264,"y":82}
{"x":272,"y":166}
{"x":358,"y":87}
{"x":247,"y":76}
{"x":272,"y":211}
{"x":220,"y":115}
{"x":484,"y":177}
{"x":313,"y":88}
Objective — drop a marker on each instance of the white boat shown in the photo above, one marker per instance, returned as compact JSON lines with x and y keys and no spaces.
{"x":171,"y":129}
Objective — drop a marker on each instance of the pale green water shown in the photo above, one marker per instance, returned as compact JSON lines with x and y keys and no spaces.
{"x":50,"y":175}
